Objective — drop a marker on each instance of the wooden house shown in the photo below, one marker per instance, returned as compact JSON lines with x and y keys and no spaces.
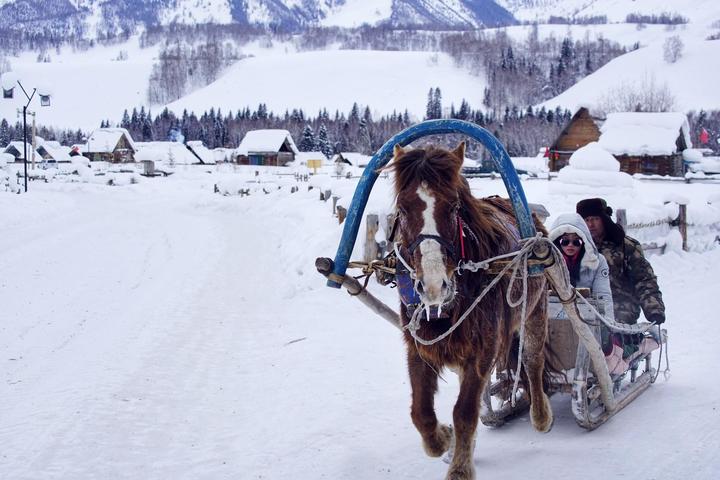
{"x":649,"y":143}
{"x":113,"y":145}
{"x":273,"y":147}
{"x":582,"y":129}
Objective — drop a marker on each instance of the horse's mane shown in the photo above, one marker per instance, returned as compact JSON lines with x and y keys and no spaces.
{"x":440,"y":170}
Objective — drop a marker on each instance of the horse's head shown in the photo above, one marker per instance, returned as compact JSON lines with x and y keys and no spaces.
{"x":428,"y":185}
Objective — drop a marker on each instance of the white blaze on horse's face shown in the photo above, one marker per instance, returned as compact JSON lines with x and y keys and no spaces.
{"x":436,"y":285}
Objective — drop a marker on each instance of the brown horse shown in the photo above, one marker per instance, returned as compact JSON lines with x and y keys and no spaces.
{"x":440,"y":221}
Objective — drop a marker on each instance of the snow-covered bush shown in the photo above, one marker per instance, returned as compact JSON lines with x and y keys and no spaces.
{"x":672,"y":49}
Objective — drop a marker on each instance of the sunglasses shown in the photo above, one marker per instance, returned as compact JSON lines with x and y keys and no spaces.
{"x":576,"y":242}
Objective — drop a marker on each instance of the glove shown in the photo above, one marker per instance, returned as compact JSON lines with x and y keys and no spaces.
{"x":657,"y":318}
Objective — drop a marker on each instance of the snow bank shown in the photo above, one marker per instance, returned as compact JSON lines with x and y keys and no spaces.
{"x":593,"y":167}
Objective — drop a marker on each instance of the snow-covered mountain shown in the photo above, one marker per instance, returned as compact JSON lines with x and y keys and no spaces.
{"x":697,"y":11}
{"x":282,"y":13}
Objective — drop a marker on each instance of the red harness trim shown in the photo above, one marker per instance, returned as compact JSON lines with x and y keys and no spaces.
{"x":462,"y":240}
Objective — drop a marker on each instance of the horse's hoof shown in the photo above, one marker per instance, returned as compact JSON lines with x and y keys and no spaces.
{"x":466,"y":472}
{"x":542,"y":419}
{"x":439,"y":442}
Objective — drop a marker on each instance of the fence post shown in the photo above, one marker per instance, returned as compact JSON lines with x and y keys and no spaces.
{"x":682,"y":225}
{"x":335,"y":200}
{"x":621,"y":216}
{"x":341,"y":213}
{"x":371,"y":246}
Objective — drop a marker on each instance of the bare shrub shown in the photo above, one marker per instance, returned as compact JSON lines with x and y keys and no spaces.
{"x":672,"y":49}
{"x":644,"y":96}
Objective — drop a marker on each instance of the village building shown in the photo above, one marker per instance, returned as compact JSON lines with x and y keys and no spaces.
{"x":53,"y":152}
{"x":174,"y":153}
{"x":642,"y":142}
{"x":354,"y":159}
{"x":113,"y":145}
{"x":274,"y":147}
{"x":17,"y":150}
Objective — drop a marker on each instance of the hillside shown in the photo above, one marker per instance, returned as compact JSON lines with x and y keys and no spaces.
{"x":692,"y":80}
{"x":385,"y":81}
{"x":98,"y":18}
{"x":703,"y":12}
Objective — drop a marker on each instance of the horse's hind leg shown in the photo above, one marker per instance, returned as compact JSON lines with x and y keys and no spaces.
{"x":534,"y":361}
{"x":423,"y":379}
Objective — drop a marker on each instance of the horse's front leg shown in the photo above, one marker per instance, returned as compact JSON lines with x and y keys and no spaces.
{"x":473,"y":378}
{"x":423,"y":380}
{"x":541,"y":413}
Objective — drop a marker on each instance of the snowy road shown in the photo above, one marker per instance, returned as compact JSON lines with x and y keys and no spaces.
{"x":160,"y":331}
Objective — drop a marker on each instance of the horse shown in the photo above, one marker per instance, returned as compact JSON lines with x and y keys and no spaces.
{"x":438,"y":221}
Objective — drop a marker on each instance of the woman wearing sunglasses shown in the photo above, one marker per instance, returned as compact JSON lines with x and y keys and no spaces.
{"x":589,"y":269}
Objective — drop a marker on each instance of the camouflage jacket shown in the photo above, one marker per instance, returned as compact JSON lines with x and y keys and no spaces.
{"x":632,"y":281}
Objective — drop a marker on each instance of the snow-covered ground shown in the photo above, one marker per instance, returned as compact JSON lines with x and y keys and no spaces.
{"x":159,"y":330}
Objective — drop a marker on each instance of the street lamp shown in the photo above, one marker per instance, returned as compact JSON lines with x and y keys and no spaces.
{"x":29,"y":97}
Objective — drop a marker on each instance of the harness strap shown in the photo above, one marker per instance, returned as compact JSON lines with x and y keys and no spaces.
{"x":443,"y":243}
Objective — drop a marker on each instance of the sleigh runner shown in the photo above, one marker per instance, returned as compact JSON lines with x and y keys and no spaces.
{"x":473,"y":276}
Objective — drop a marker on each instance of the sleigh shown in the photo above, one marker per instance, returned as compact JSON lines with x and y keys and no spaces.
{"x":577,"y":377}
{"x":575,"y":326}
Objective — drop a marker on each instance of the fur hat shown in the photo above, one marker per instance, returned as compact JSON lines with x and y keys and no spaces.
{"x":593,"y":207}
{"x":598,"y":207}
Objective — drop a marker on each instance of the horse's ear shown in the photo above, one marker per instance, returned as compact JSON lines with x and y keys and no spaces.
{"x":398,"y":151}
{"x":460,"y":151}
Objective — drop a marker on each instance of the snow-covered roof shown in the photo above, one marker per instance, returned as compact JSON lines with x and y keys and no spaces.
{"x":222,"y":154}
{"x":206,"y":155}
{"x":265,"y":141}
{"x":104,"y":140}
{"x":171,"y":152}
{"x":18,"y":146}
{"x":644,"y":133}
{"x":57,"y":152}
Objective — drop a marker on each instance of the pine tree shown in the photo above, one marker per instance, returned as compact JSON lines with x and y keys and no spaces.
{"x":437,"y":103}
{"x":5,"y":137}
{"x":307,"y":144}
{"x":125,"y":122}
{"x":354,"y":113}
{"x":430,"y":107}
{"x":323,"y":143}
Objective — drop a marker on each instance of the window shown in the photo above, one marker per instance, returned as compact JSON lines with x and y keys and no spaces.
{"x":8,"y":92}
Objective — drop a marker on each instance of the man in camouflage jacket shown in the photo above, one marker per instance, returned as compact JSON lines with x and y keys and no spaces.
{"x":632,"y":280}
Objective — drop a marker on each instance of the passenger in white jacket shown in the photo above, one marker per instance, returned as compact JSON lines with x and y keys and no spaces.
{"x":587,"y":267}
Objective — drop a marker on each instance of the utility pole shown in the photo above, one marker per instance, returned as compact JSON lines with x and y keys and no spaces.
{"x":34,"y":142}
{"x":29,"y":97}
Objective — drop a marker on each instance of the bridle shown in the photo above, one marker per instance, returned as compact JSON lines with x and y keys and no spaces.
{"x":449,"y":248}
